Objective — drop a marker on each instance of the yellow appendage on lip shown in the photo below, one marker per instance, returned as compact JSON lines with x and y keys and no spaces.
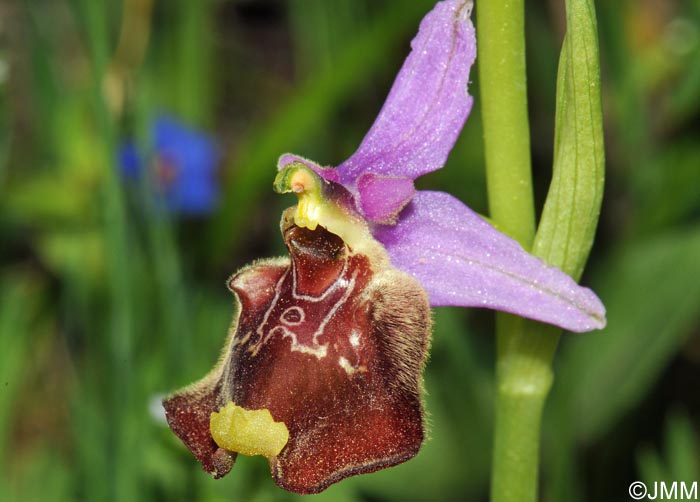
{"x":249,"y":432}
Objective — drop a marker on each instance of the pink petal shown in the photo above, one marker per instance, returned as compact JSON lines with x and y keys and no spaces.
{"x":381,"y":198}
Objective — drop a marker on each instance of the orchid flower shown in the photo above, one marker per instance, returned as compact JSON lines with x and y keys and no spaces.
{"x":322,"y":371}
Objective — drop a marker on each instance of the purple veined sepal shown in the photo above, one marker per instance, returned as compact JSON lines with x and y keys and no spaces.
{"x":427,"y":104}
{"x":332,"y":343}
{"x":420,"y":120}
{"x":462,"y":260}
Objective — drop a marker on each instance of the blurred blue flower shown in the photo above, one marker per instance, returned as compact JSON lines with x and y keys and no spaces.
{"x":182,"y":166}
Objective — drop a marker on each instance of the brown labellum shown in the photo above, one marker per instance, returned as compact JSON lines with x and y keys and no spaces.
{"x":332,"y":342}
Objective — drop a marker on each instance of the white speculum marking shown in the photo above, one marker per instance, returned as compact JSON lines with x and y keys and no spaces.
{"x":295,"y":316}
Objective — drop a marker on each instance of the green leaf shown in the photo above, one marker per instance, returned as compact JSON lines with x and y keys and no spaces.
{"x":665,"y":187}
{"x":651,"y":467}
{"x":681,"y":448}
{"x":567,"y":229}
{"x":652,"y":292}
{"x":679,"y":461}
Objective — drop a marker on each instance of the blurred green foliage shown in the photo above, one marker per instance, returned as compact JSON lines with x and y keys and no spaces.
{"x":106,"y":301}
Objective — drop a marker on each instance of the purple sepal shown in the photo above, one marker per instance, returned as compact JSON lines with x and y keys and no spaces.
{"x":461,"y":260}
{"x":428,"y":103}
{"x":420,"y":120}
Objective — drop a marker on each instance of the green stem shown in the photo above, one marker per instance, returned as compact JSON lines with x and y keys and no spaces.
{"x":501,"y":61}
{"x":523,"y":371}
{"x":567,"y":228}
{"x":524,"y":378}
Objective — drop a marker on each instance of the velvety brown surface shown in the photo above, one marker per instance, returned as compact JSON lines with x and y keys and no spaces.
{"x":188,"y":417}
{"x":334,"y":348}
